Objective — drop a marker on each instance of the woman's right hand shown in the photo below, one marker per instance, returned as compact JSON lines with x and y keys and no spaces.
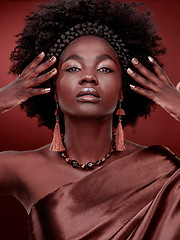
{"x":25,"y":85}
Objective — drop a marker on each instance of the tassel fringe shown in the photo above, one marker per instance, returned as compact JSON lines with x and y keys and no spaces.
{"x":57,"y":145}
{"x":119,"y":138}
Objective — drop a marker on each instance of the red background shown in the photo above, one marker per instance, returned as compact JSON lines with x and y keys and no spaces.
{"x":20,"y":133}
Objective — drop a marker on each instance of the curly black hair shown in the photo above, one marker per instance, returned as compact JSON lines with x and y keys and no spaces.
{"x":131,"y":22}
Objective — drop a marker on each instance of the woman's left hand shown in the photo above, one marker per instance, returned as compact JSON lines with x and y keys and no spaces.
{"x":157,"y":87}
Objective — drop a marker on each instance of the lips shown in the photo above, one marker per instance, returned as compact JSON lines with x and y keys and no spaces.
{"x":88,"y":95}
{"x":88,"y":91}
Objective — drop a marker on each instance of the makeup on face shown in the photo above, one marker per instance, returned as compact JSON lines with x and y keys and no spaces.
{"x":89,"y":76}
{"x":88,"y":94}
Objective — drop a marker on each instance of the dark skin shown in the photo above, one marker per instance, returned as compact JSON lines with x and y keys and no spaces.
{"x":86,"y":121}
{"x":157,"y":87}
{"x":31,"y":175}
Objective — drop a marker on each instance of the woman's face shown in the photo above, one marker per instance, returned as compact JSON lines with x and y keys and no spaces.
{"x":89,"y":78}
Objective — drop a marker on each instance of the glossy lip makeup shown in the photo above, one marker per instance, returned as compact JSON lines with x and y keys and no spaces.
{"x":88,"y":95}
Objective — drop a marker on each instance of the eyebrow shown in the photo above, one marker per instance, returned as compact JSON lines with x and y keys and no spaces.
{"x":100,"y":57}
{"x":104,"y":57}
{"x":73,"y":57}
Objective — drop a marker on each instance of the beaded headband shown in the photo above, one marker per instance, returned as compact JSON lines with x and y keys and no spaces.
{"x":89,"y":28}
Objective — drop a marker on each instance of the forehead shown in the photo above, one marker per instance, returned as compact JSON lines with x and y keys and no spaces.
{"x":89,"y":45}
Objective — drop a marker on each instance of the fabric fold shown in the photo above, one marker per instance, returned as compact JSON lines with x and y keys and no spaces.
{"x":135,"y":197}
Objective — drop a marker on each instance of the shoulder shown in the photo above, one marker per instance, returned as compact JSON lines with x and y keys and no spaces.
{"x":162,"y":153}
{"x":158,"y":151}
{"x":156,"y":158}
{"x":15,"y":164}
{"x":159,"y":160}
{"x":11,"y":158}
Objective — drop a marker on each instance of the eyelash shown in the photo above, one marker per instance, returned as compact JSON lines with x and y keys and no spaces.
{"x":103,"y":69}
{"x":72,"y":69}
{"x":107,"y":70}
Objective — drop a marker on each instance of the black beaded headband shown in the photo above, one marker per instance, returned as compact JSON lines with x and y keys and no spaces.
{"x":91,"y":29}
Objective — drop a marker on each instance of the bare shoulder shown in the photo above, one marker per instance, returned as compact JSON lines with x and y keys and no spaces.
{"x":14,"y":166}
{"x":23,"y":173}
{"x":11,"y":159}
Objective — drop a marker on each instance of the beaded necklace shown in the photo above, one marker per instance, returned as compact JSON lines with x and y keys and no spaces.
{"x":89,"y":165}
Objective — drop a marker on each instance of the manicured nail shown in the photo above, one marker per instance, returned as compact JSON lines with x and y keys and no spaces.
{"x":150,"y":59}
{"x":53,"y":70}
{"x":41,"y":54}
{"x":52,"y":58}
{"x":47,"y":89}
{"x":135,"y":61}
{"x":132,"y":86}
{"x":130,"y":71}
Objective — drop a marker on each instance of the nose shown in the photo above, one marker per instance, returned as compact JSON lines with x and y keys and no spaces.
{"x":88,"y":78}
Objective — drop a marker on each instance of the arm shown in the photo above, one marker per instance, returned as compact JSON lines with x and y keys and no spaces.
{"x":12,"y":95}
{"x":25,"y":85}
{"x":157,"y":87}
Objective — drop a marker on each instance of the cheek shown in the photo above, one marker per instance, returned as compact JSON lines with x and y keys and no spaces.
{"x":111,"y":99}
{"x":65,"y":91}
{"x":113,"y":88}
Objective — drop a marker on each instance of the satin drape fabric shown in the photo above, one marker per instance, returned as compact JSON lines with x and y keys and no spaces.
{"x":136,"y":197}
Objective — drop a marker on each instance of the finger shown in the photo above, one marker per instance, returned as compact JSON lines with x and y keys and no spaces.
{"x":143,"y":81}
{"x":159,"y":71}
{"x":148,"y":74}
{"x":33,"y":64}
{"x":40,"y":68}
{"x":37,"y":91}
{"x":147,"y":93}
{"x":38,"y":80}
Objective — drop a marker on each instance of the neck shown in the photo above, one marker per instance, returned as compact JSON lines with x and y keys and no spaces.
{"x":87,"y":139}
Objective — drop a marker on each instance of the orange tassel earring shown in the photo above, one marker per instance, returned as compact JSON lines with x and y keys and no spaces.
{"x":119,"y":134}
{"x":57,"y":145}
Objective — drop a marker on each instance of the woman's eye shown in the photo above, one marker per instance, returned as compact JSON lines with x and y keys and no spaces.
{"x":73,"y":69}
{"x":105,"y":70}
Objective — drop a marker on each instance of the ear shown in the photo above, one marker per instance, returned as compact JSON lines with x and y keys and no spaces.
{"x":121,"y":96}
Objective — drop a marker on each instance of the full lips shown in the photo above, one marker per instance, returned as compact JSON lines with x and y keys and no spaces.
{"x":88,"y":95}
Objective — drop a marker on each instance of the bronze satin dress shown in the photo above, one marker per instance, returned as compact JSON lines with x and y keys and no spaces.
{"x":136,"y":197}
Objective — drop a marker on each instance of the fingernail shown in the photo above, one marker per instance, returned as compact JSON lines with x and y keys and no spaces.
{"x":130,"y":71}
{"x":150,"y":59}
{"x":41,"y":54}
{"x":135,"y":61}
{"x":53,"y":70}
{"x":132,"y":86}
{"x":47,"y":89}
{"x":52,"y":58}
